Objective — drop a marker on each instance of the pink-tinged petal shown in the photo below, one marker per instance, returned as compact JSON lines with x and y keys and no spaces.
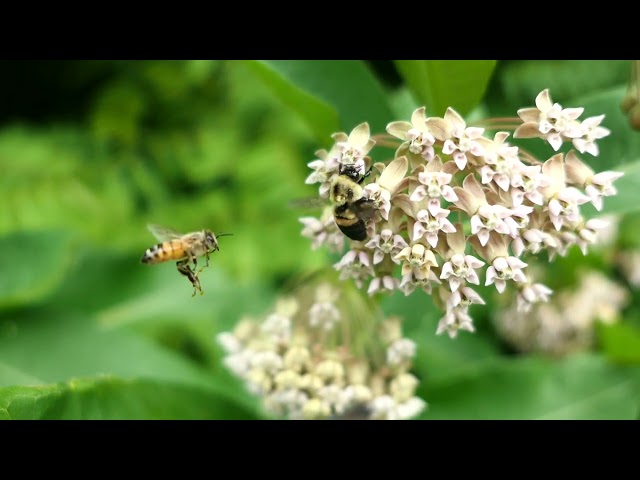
{"x":359,"y":136}
{"x":474,"y":132}
{"x":446,"y":226}
{"x":516,"y":263}
{"x":600,"y":132}
{"x":448,"y":194}
{"x":472,"y":277}
{"x":536,"y":197}
{"x":555,"y":208}
{"x":592,"y":122}
{"x":527,"y":130}
{"x":597,"y":202}
{"x":543,"y":101}
{"x":592,"y":149}
{"x":439,"y":127}
{"x":500,"y":264}
{"x":388,"y":283}
{"x":471,"y":185}
{"x":364,"y":259}
{"x":597,"y":224}
{"x":324,"y":189}
{"x":483,"y":236}
{"x":473,"y":262}
{"x":460,"y":159}
{"x":491,"y":276}
{"x":378,"y":256}
{"x":502,"y":181}
{"x":399,"y":129}
{"x":418,"y":231}
{"x":447,"y":271}
{"x":476,"y":225}
{"x":555,"y":140}
{"x":374,"y":286}
{"x":502,"y":227}
{"x":449,"y":147}
{"x":472,"y":296}
{"x":580,"y":144}
{"x":557,"y":222}
{"x":519,"y":276}
{"x":501,"y":285}
{"x":434,"y":206}
{"x":517,"y":197}
{"x":572,"y":113}
{"x":432,"y":239}
{"x":393,"y":174}
{"x":454,"y":283}
{"x":487,"y":174}
{"x":418,"y":194}
{"x":604,"y":178}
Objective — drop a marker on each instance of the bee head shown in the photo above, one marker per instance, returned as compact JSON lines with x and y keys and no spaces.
{"x":350,"y":171}
{"x":210,"y":240}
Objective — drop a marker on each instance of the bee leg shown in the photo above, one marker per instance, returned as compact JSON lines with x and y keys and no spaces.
{"x":194,"y":259}
{"x":206,"y":257}
{"x":184,"y":269}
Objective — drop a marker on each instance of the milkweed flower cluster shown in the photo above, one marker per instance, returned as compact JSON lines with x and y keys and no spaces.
{"x":565,"y":324}
{"x":458,"y":206}
{"x":325,"y":353}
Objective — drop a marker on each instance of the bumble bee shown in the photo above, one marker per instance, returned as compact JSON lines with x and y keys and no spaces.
{"x":185,"y":248}
{"x":351,"y":210}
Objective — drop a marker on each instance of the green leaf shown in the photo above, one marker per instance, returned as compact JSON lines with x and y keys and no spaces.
{"x":578,"y":387}
{"x":52,"y":349}
{"x":321,"y":116}
{"x":33,"y":264}
{"x":314,"y":88}
{"x":620,"y":342}
{"x":115,"y":398}
{"x":438,"y":84}
{"x":627,"y":199}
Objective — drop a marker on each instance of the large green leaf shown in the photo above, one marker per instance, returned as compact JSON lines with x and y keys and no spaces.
{"x":620,"y":342}
{"x":44,"y":349}
{"x":521,"y":80}
{"x":579,"y":387}
{"x":114,"y":398}
{"x":438,"y":84}
{"x":318,"y":89}
{"x":33,"y":263}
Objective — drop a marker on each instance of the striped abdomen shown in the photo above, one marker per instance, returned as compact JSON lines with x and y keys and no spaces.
{"x":163,"y":252}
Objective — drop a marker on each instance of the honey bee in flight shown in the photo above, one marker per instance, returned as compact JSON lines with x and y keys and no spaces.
{"x":185,"y":248}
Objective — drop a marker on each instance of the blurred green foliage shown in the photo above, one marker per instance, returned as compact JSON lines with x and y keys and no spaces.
{"x":92,"y":151}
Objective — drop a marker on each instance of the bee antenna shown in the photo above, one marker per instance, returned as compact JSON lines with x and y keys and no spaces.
{"x":224,"y":235}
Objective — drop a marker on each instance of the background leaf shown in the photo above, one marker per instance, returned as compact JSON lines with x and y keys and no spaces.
{"x":438,"y":84}
{"x":33,"y":264}
{"x":112,"y":398}
{"x":579,"y":387}
{"x":348,"y":86}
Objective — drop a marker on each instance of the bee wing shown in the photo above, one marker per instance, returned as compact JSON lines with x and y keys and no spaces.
{"x":365,"y":209}
{"x":163,"y":233}
{"x":309,"y":202}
